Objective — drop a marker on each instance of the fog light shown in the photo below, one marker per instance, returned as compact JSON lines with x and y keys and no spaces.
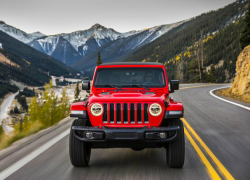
{"x":162,"y":135}
{"x":89,"y":135}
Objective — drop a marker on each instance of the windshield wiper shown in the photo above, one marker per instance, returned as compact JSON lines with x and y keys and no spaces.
{"x":136,"y":85}
{"x":112,"y":86}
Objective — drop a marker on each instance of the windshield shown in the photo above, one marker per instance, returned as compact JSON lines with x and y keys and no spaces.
{"x":130,"y":77}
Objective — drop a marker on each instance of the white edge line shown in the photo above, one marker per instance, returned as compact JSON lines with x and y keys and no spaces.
{"x":16,"y":166}
{"x":236,"y":104}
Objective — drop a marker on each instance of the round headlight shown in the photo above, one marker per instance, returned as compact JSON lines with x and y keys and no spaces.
{"x":96,"y":109}
{"x":155,"y":109}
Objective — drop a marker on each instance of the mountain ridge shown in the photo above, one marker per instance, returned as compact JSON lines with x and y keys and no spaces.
{"x":19,"y":34}
{"x":22,"y":63}
{"x":120,"y":48}
{"x":75,"y":45}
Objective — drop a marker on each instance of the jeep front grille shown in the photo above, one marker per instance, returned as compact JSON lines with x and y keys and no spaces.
{"x":125,"y":113}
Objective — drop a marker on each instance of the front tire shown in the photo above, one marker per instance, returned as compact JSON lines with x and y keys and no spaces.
{"x":79,"y":151}
{"x":176,"y":150}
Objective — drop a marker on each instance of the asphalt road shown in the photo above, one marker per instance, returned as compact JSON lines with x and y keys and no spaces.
{"x":223,"y":127}
{"x":4,"y":109}
{"x":5,"y":105}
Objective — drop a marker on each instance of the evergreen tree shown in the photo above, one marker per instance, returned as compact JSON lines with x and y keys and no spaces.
{"x":16,"y":110}
{"x":211,"y":76}
{"x":245,"y":35}
{"x":23,"y":102}
{"x":99,"y":61}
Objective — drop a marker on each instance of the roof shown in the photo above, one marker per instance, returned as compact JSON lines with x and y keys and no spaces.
{"x":131,"y":63}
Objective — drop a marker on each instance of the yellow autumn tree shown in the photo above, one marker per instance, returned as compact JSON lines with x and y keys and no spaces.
{"x":49,"y":110}
{"x":64,"y":105}
{"x":34,"y":110}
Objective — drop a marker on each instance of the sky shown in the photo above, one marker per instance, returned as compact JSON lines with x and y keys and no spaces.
{"x":65,"y":16}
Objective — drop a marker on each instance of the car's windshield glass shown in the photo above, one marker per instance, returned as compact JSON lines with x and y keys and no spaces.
{"x":130,"y":77}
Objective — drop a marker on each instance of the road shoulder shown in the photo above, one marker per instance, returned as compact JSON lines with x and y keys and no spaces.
{"x":216,"y":92}
{"x":20,"y":144}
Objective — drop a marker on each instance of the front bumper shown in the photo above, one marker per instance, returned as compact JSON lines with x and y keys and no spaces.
{"x":125,"y":137}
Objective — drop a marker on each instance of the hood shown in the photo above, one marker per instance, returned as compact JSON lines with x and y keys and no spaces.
{"x":128,"y":96}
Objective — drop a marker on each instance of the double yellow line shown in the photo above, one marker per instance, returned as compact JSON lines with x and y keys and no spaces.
{"x":188,"y":87}
{"x":211,"y":170}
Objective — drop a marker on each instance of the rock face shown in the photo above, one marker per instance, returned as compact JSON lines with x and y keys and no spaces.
{"x":241,"y":85}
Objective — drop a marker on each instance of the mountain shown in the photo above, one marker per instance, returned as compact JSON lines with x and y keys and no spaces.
{"x":118,"y":49}
{"x":58,"y":48}
{"x":36,"y":35}
{"x":19,"y":34}
{"x":219,"y":31}
{"x":22,"y":63}
{"x":71,"y":47}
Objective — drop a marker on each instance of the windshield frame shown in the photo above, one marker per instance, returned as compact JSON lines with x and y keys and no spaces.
{"x":140,"y":67}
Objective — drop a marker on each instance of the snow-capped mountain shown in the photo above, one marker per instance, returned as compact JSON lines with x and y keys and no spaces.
{"x":97,"y":32}
{"x":131,"y":33}
{"x":120,"y":48}
{"x":79,"y":43}
{"x":72,"y":47}
{"x":19,"y":34}
{"x":87,"y":41}
{"x":36,"y":35}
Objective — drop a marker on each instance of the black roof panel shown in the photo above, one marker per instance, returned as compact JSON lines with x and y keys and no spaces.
{"x":131,"y":63}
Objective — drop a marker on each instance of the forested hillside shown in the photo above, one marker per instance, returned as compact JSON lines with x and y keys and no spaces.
{"x":22,"y":63}
{"x":209,"y":41}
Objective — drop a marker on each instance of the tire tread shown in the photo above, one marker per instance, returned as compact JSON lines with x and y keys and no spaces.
{"x":79,"y":151}
{"x":176,"y":149}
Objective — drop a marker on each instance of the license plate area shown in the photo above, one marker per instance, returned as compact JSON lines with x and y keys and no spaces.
{"x":125,"y":135}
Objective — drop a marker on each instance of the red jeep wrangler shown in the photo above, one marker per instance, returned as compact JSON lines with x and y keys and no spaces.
{"x":128,"y":107}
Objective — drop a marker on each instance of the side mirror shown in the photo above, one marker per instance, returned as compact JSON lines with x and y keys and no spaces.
{"x":86,"y":85}
{"x":174,"y":85}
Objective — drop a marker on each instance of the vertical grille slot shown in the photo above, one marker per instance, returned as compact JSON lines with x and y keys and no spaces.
{"x":111,"y":115}
{"x":125,"y":113}
{"x":118,"y":113}
{"x":132,"y":113}
{"x":145,"y":113}
{"x":105,"y":114}
{"x":139,"y":119}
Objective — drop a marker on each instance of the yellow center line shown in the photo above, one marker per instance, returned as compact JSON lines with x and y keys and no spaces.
{"x":200,"y":86}
{"x":210,"y":168}
{"x":222,"y":169}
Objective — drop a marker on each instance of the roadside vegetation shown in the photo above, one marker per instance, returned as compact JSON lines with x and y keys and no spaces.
{"x":240,"y":89}
{"x":204,"y":49}
{"x":43,"y":112}
{"x":228,"y":94}
{"x":245,"y":35}
{"x":21,"y":98}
